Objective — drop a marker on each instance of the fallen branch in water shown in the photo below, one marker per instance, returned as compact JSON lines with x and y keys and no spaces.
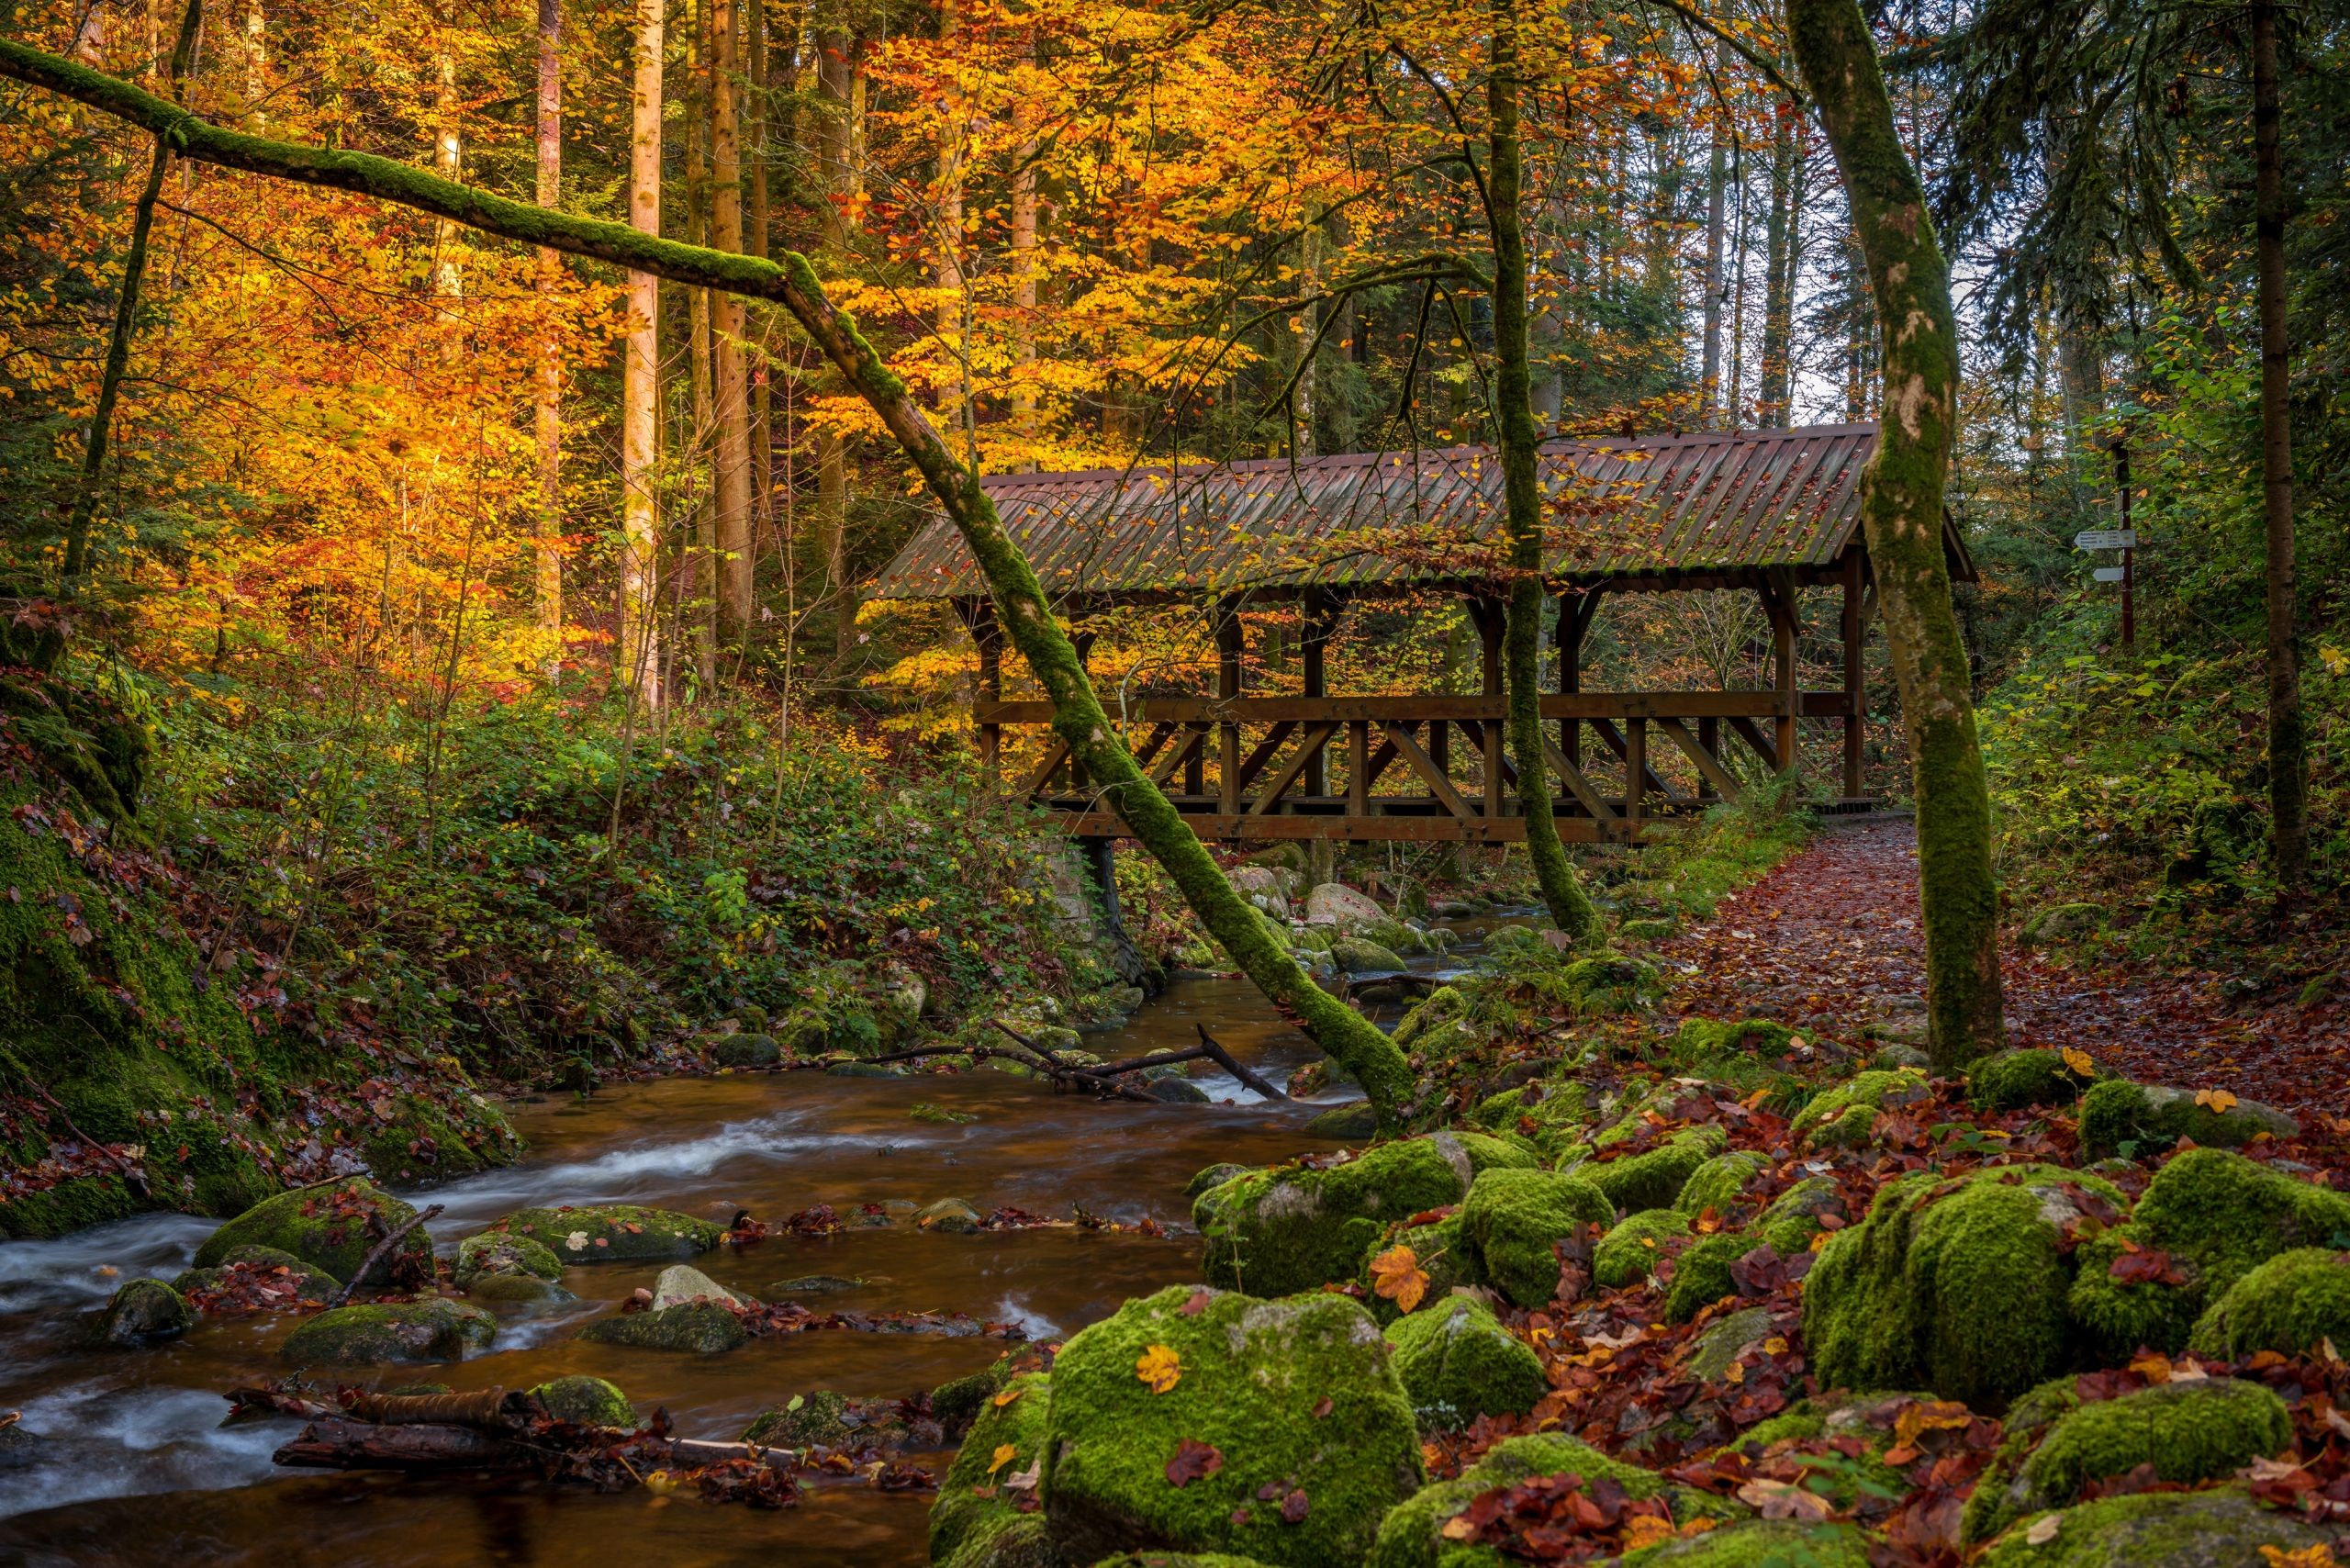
{"x":368,"y":1264}
{"x":1231,"y":1064}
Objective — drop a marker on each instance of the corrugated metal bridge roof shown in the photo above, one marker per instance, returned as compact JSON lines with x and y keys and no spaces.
{"x":1627,"y":506}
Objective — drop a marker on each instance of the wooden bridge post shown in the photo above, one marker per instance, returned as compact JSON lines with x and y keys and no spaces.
{"x":1779,"y":599}
{"x":978,"y":619}
{"x":1489,"y":616}
{"x":1081,"y":639}
{"x":1636,"y":769}
{"x":1321,"y":617}
{"x":1856,"y":696}
{"x":1231,"y":640}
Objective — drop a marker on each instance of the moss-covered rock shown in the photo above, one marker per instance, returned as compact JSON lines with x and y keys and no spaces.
{"x":1701,"y":1042}
{"x":1297,"y":1395}
{"x":958,"y":1401}
{"x":2224,"y":1213}
{"x":1442,"y":1251}
{"x":1725,"y":1339}
{"x":2220,"y":1528}
{"x":1551,"y":1115}
{"x":1512,"y":1220}
{"x":744,"y":1052}
{"x":1957,"y":1285}
{"x":2186,"y":1431}
{"x":1701,"y":1275}
{"x":1654,"y":1179}
{"x":1444,"y":1005}
{"x":306,"y":1282}
{"x":2117,"y":1317}
{"x":613,"y":1233}
{"x":1611,"y":982}
{"x":1842,"y":1117}
{"x":2294,"y":1303}
{"x":1412,"y":1535}
{"x":389,"y":1333}
{"x":517,"y":1291}
{"x":588,"y":1401}
{"x":1793,"y":1218}
{"x":2120,"y":1116}
{"x":143,"y":1312}
{"x":1759,"y":1543}
{"x":827,"y":1418}
{"x":701,"y":1328}
{"x":1355,"y":955}
{"x":1458,"y":1362}
{"x":2062,"y":922}
{"x":333,"y":1228}
{"x":2018,"y":1080}
{"x":972,"y":1495}
{"x":1212,"y":1177}
{"x":1719,"y":1183}
{"x":1005,"y":1540}
{"x":502,"y":1252}
{"x":1295,"y":1228}
{"x":1630,"y":1253}
{"x":1178,"y":1560}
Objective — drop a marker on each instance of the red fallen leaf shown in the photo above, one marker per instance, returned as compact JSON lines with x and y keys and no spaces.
{"x":1322,"y":1407}
{"x":1197,"y":1305}
{"x":1294,"y":1507}
{"x":1239,"y":1516}
{"x":602,"y":1242}
{"x":2151,"y":1266}
{"x":1194,"y":1461}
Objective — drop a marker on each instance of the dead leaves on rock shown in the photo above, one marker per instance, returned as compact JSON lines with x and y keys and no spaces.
{"x":1396,"y":1275}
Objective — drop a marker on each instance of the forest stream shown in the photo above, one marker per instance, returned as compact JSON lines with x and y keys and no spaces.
{"x":149,"y":1474}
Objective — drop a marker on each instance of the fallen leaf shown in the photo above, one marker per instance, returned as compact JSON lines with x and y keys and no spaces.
{"x":1646,"y":1529}
{"x":1006,"y":1398}
{"x":2043,"y":1530}
{"x":1027,"y":1480}
{"x":1294,"y":1507}
{"x":1783,"y":1500}
{"x":1160,"y":1367}
{"x":1004,"y":1454}
{"x":2080,"y":1065}
{"x":1194,"y":1461}
{"x":1396,"y":1274}
{"x":1322,"y":1407}
{"x":2215,"y":1099}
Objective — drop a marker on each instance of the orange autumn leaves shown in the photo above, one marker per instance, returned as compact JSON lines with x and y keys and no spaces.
{"x":1396,"y":1275}
{"x":1160,"y":1368}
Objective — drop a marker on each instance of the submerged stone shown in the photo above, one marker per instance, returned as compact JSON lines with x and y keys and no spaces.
{"x":587,"y":1401}
{"x":502,"y":1252}
{"x":333,"y":1228}
{"x":701,"y":1328}
{"x":1514,"y":1220}
{"x":682,"y":1282}
{"x":816,"y":1285}
{"x":1458,"y":1362}
{"x":143,"y":1312}
{"x":389,"y":1333}
{"x":613,"y":1233}
{"x":1311,"y":1430}
{"x":952,"y":1217}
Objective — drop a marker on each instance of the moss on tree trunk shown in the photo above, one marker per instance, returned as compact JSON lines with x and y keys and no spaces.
{"x":1901,"y":511}
{"x":1521,"y":493}
{"x":1021,"y":607}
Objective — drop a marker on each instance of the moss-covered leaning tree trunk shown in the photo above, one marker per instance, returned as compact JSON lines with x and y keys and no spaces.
{"x":1521,"y":490}
{"x":1901,"y":511}
{"x":1021,"y":605}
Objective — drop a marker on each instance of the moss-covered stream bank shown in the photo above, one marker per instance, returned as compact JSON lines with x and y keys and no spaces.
{"x":143,"y":1473}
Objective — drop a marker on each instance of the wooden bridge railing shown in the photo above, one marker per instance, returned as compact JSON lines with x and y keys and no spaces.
{"x":1276,"y":767}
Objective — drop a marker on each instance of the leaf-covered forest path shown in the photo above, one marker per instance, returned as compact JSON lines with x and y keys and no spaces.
{"x":1830,"y":940}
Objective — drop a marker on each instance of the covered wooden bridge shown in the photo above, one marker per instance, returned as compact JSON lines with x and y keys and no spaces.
{"x":1769,"y":513}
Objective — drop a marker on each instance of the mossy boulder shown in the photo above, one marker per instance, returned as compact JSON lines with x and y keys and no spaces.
{"x":744,"y":1052}
{"x":587,"y":1401}
{"x":1355,"y":955}
{"x":1759,"y":1543}
{"x":1844,"y":1117}
{"x":958,"y":1401}
{"x":389,"y":1333}
{"x":1178,"y":1560}
{"x":972,"y":1496}
{"x":1352,"y":1122}
{"x":1703,"y":1041}
{"x":1717,"y":1185}
{"x":2293,"y":1304}
{"x":2062,"y":922}
{"x":1444,"y":1005}
{"x":2018,"y":1080}
{"x":333,"y":1228}
{"x":701,"y":1328}
{"x":1793,"y":1218}
{"x":1295,"y":1228}
{"x":1958,"y":1285}
{"x":1297,"y":1395}
{"x":1701,"y":1275}
{"x":613,"y":1233}
{"x":827,"y":1418}
{"x":1612,"y":982}
{"x":1512,"y":1221}
{"x":1005,"y":1540}
{"x":1412,"y":1535}
{"x":2118,"y":1116}
{"x":306,"y":1282}
{"x":1630,"y":1253}
{"x":502,"y":1252}
{"x":1725,"y":1339}
{"x":517,"y":1289}
{"x":1552,"y":1117}
{"x":1654,"y":1179}
{"x":143,"y":1312}
{"x":2224,"y":1528}
{"x":2186,"y":1431}
{"x":1443,"y":1252}
{"x":1458,"y":1362}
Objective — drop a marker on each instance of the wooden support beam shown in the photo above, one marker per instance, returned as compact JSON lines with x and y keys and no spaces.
{"x":1747,"y":732}
{"x":1491,"y":619}
{"x":1219,"y":827}
{"x":1636,"y":767}
{"x":1620,"y":743}
{"x":1783,"y":605}
{"x":1186,"y":749}
{"x":1855,"y":673}
{"x":1709,"y":735}
{"x":1230,"y":644}
{"x":1056,"y":752}
{"x":1151,"y":743}
{"x":1359,"y":768}
{"x":1321,"y":618}
{"x":1572,"y":776}
{"x":1264,"y":753}
{"x":1426,"y":767}
{"x":1617,"y":706}
{"x":1309,"y":748}
{"x":1709,"y":766}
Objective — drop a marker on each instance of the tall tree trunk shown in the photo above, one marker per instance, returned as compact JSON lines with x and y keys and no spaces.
{"x":549,"y":399}
{"x":757,"y":241}
{"x":2287,"y":760}
{"x":1779,"y":265}
{"x":704,"y":577}
{"x":1901,"y":511}
{"x":1024,"y":268}
{"x":639,"y":647}
{"x":1021,"y":607}
{"x":954,"y":132}
{"x":1709,"y":371}
{"x":448,"y":161}
{"x":256,"y":63}
{"x":837,"y":81}
{"x":1522,"y":495}
{"x":126,"y":317}
{"x":731,"y":487}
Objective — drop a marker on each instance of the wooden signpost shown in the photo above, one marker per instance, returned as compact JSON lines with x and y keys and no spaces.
{"x":2124,"y":539}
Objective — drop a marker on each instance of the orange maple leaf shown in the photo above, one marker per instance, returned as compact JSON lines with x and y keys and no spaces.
{"x":2078,"y":1062}
{"x":1396,"y":1274}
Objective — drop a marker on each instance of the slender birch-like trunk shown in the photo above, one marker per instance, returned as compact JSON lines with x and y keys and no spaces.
{"x":730,"y":478}
{"x":639,"y":649}
{"x":549,"y":399}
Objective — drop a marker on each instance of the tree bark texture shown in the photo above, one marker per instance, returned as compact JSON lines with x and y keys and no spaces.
{"x":639,"y":649}
{"x":549,"y":400}
{"x":2287,"y":746}
{"x":1709,"y":370}
{"x":730,"y":373}
{"x":1021,"y":607}
{"x":1901,"y":511}
{"x":1521,"y":489}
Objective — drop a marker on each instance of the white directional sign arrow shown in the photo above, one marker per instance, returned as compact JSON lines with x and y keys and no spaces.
{"x":2106,"y":539}
{"x":2109,"y":574}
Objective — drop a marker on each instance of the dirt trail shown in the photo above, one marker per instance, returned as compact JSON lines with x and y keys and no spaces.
{"x":1831,"y":939}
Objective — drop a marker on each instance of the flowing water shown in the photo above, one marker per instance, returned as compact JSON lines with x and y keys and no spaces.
{"x":139,"y":1471}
